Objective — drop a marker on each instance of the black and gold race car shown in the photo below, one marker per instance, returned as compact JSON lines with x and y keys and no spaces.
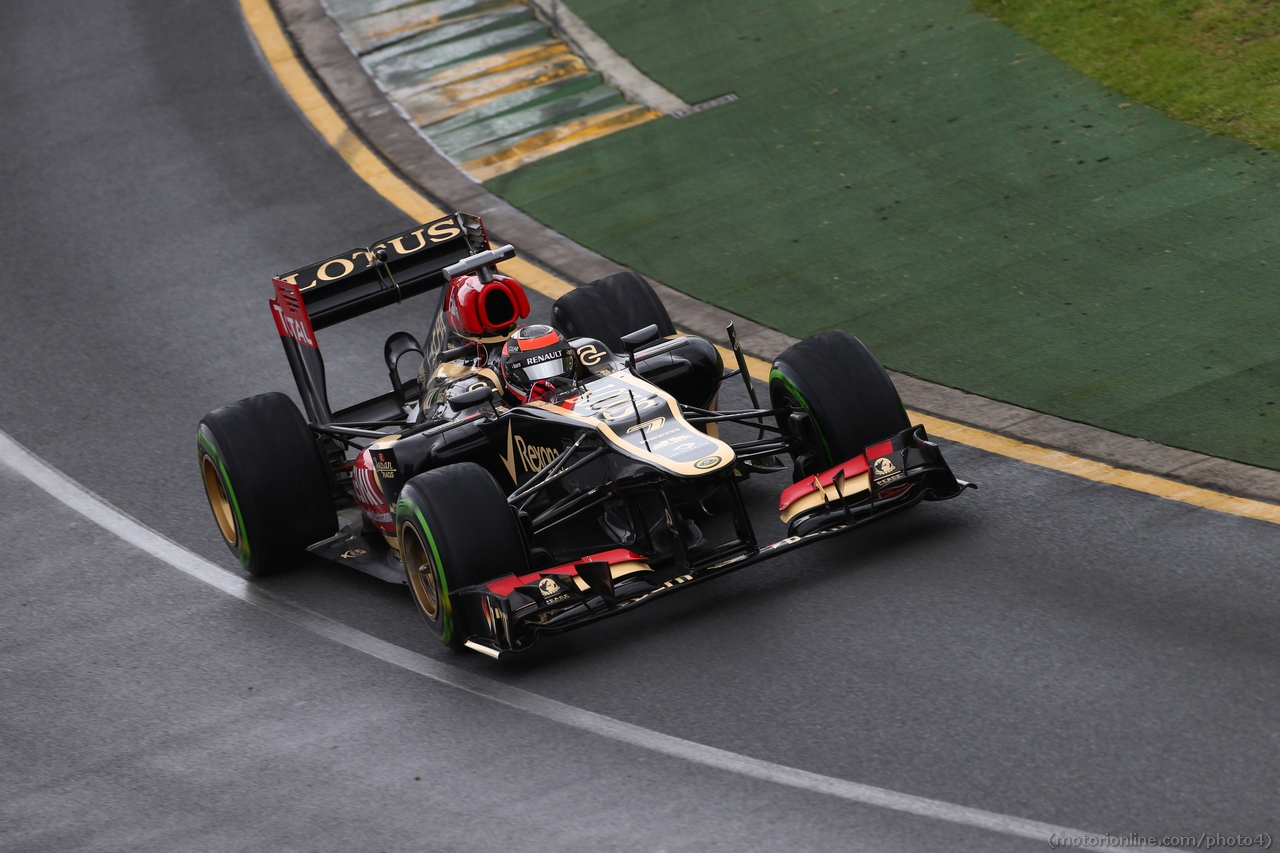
{"x":530,"y":478}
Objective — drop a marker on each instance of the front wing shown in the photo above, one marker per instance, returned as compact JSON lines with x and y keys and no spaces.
{"x":889,"y":477}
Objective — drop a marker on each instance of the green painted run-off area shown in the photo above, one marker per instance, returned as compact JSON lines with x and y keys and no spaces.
{"x":979,"y":213}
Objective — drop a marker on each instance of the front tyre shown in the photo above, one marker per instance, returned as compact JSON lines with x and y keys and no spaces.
{"x":266,"y":480}
{"x":850,"y":399}
{"x":456,"y":530}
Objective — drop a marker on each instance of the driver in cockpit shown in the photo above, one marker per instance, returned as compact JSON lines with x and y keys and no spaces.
{"x":535,"y":360}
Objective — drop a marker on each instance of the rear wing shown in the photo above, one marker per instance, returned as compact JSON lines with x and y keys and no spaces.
{"x":366,"y":279}
{"x":359,"y":281}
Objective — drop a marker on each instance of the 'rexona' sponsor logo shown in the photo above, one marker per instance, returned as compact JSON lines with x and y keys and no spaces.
{"x":534,"y":457}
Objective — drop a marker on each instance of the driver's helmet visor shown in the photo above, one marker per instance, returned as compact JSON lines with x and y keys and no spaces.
{"x":545,"y":365}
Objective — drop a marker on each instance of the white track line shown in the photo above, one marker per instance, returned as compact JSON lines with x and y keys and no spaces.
{"x":104,"y":514}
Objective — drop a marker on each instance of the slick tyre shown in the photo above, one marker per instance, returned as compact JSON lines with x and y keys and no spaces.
{"x":609,"y":308}
{"x":456,"y":530}
{"x":266,"y":480}
{"x":850,"y":399}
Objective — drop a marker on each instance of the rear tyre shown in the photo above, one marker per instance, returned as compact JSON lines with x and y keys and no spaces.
{"x":456,"y":530}
{"x":850,"y":399}
{"x":609,"y":308}
{"x":266,"y":480}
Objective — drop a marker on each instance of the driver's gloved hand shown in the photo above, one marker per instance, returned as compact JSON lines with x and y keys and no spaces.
{"x":541,"y":391}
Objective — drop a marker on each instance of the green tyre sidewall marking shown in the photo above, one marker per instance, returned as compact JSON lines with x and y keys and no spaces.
{"x":241,"y":549}
{"x":407,"y":506}
{"x":795,"y":392}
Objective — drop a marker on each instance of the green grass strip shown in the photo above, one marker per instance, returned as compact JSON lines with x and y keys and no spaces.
{"x":1215,"y":63}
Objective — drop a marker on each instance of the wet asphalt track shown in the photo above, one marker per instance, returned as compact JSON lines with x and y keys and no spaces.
{"x":1048,"y":647}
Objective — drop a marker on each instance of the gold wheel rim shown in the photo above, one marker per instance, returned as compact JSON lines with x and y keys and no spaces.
{"x":223,"y":512}
{"x":422,"y":572}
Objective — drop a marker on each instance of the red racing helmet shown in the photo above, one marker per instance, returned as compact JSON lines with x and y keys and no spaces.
{"x":535,"y":356}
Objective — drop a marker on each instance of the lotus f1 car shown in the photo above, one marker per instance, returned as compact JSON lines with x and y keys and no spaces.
{"x":532,"y":479}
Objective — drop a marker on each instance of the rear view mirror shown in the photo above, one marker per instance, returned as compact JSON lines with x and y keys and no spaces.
{"x":640,"y":337}
{"x":467,"y":399}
